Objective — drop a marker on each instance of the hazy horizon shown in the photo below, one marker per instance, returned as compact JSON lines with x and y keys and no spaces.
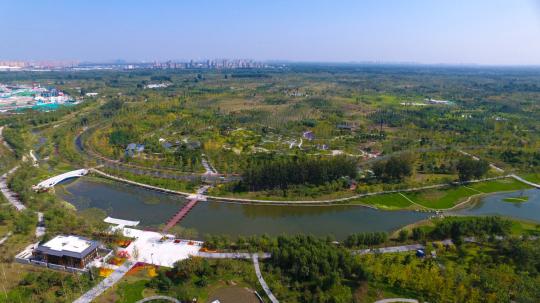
{"x":460,"y":32}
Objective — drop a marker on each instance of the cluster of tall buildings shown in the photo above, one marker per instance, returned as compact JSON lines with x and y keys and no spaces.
{"x":122,"y":65}
{"x":211,"y":64}
{"x":38,"y":65}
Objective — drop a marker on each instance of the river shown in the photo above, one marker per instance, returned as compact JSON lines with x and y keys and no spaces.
{"x":154,"y":208}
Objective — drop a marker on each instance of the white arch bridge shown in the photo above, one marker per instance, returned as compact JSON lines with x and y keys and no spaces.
{"x":51,"y":182}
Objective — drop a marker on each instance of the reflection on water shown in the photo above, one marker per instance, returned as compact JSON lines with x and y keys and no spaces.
{"x":154,"y":208}
{"x":495,"y":205}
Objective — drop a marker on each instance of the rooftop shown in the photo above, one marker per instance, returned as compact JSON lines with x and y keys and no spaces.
{"x":73,"y":246}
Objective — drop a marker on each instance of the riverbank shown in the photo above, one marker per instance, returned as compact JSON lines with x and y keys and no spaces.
{"x":439,"y":197}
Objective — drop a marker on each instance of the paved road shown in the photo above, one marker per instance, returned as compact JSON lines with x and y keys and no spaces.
{"x":401,"y":248}
{"x":108,"y":282}
{"x":8,"y":193}
{"x":396,"y":300}
{"x":265,"y":287}
{"x":4,"y":239}
{"x":237,"y":255}
{"x":40,"y":228}
{"x":520,"y":179}
{"x":159,"y":298}
{"x":495,"y":167}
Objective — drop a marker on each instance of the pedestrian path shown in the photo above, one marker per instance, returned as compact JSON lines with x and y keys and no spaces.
{"x":4,"y":239}
{"x":265,"y":287}
{"x":233,"y":255}
{"x":57,"y":179}
{"x":520,"y":179}
{"x":397,"y":300}
{"x":108,"y":282}
{"x":161,"y":298}
{"x":10,"y":196}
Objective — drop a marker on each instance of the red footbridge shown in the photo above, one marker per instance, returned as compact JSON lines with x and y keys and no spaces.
{"x":186,"y":208}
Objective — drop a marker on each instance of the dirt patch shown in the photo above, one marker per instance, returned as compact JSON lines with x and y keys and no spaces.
{"x":233,"y":294}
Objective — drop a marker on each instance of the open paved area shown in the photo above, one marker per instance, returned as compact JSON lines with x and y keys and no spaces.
{"x":152,"y":247}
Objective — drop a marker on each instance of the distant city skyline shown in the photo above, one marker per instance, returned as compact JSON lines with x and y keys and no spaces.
{"x":483,"y":32}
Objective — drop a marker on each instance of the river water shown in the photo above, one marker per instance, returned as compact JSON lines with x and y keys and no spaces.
{"x":154,"y":208}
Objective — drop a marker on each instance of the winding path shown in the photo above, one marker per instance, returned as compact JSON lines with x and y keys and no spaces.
{"x":520,"y":179}
{"x":265,"y":287}
{"x":108,"y":282}
{"x":10,"y":196}
{"x":4,"y":239}
{"x":152,"y":298}
{"x":397,"y":300}
{"x":296,"y":202}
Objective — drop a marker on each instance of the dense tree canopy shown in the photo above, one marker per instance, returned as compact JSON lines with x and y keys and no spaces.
{"x":282,"y":172}
{"x":469,"y":168}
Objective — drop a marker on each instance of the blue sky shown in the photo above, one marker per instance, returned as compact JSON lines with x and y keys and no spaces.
{"x":498,"y":32}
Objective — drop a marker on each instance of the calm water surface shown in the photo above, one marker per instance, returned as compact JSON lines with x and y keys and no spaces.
{"x":153,"y":208}
{"x":495,"y":205}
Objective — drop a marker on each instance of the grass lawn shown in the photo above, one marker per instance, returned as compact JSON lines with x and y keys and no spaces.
{"x":441,"y":198}
{"x":129,"y":289}
{"x":506,"y":184}
{"x":450,"y":197}
{"x":520,"y":199}
{"x":535,"y":178}
{"x":388,"y":201}
{"x":229,"y":273}
{"x":520,"y":227}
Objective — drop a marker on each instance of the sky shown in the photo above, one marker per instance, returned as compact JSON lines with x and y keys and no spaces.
{"x":489,"y":32}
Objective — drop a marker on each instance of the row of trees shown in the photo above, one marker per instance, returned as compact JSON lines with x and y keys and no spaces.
{"x":398,"y":167}
{"x":281,"y":172}
{"x":394,"y":169}
{"x":469,"y":168}
{"x":458,"y":227}
{"x":366,"y":239}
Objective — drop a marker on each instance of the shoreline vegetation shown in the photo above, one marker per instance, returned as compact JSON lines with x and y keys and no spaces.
{"x":453,"y":197}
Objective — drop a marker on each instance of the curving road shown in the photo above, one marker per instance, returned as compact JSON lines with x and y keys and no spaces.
{"x":152,"y":298}
{"x":397,"y":300}
{"x":264,"y":286}
{"x":10,"y":196}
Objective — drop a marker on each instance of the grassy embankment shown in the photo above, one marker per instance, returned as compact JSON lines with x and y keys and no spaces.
{"x":518,"y":227}
{"x":443,"y":198}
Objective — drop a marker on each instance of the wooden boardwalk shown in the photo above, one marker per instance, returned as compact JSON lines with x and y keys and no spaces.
{"x":180,"y":214}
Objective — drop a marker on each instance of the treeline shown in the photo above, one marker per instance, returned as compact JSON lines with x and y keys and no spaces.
{"x":283,"y":172}
{"x":365,"y":239}
{"x":394,"y":169}
{"x":469,"y":168}
{"x":458,"y":227}
{"x":14,"y":137}
{"x":315,"y":268}
{"x":520,"y":157}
